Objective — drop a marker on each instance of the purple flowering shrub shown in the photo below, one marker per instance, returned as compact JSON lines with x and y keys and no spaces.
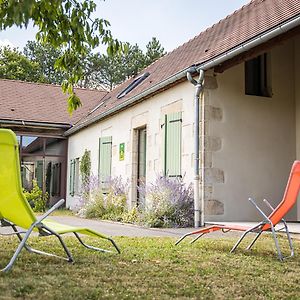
{"x":104,"y":201}
{"x":168,"y":203}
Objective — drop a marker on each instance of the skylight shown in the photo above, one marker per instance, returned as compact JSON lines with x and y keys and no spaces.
{"x":133,"y":84}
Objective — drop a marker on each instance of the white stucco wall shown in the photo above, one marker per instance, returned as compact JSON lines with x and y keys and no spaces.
{"x":297,"y":100}
{"x":258,"y":138}
{"x":252,"y":141}
{"x":120,"y":127}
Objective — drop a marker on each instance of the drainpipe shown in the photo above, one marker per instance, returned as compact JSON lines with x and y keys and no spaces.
{"x":198,"y":213}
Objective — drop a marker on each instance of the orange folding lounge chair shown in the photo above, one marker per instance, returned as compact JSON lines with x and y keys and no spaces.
{"x":269,"y":222}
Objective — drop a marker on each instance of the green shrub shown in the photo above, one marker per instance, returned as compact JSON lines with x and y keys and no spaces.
{"x":110,"y":206}
{"x":35,"y":198}
{"x":169,"y":203}
{"x":131,"y":216}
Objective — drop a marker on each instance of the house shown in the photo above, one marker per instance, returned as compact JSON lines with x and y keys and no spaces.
{"x":249,"y":115}
{"x":38,"y":114}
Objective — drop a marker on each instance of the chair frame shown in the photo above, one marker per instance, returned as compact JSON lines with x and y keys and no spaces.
{"x":45,"y":231}
{"x":258,"y":229}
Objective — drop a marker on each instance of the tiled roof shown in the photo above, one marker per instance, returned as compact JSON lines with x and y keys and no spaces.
{"x":255,"y":18}
{"x":20,"y":100}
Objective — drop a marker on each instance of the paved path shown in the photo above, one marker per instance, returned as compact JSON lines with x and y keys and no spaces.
{"x":119,"y":229}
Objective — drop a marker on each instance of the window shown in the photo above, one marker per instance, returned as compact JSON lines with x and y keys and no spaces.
{"x":56,"y":178}
{"x":172,"y":132}
{"x":39,"y":171}
{"x":257,"y":76}
{"x":74,"y":177}
{"x":105,"y":147}
{"x":132,"y":85}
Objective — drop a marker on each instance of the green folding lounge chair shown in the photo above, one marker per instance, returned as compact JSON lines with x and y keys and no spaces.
{"x":15,"y":210}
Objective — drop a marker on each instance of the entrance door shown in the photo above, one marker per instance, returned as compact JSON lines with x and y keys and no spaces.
{"x":141,"y":174}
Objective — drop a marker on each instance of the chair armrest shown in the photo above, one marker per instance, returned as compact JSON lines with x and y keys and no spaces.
{"x":272,"y":208}
{"x":268,"y":204}
{"x":51,"y":210}
{"x":259,"y":210}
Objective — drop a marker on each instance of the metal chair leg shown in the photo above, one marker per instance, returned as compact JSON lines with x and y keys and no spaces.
{"x":289,"y":239}
{"x":239,"y":241}
{"x":95,"y":248}
{"x":69,"y":256}
{"x":243,"y":235}
{"x":276,"y":242}
{"x":183,"y":237}
{"x":18,"y":250}
{"x":32,"y":250}
{"x":197,"y":238}
{"x":254,"y":240}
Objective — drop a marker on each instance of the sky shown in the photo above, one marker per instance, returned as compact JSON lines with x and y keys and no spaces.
{"x":173,"y":22}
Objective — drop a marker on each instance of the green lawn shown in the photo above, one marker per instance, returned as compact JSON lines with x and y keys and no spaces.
{"x":59,"y":212}
{"x":152,"y":268}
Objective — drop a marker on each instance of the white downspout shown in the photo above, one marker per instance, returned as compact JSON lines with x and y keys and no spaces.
{"x":198,"y":213}
{"x":202,"y":156}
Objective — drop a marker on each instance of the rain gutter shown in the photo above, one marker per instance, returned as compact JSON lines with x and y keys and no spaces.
{"x":35,"y":124}
{"x":262,"y":38}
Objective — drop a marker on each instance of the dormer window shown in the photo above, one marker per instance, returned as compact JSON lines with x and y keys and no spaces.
{"x":132,"y":85}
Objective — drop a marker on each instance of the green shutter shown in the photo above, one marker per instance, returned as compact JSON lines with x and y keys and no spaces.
{"x":142,"y":153}
{"x":72,"y":177}
{"x":163,"y":142}
{"x":105,"y":151}
{"x":173,"y":136}
{"x":39,"y":173}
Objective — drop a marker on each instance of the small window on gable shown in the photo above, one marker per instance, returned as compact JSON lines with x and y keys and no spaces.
{"x":257,"y":76}
{"x":132,"y":85}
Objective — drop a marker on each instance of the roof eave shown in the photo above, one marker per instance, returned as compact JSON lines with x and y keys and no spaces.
{"x":35,"y":124}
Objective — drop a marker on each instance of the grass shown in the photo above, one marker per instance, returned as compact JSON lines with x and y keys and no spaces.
{"x":59,"y":212}
{"x":151,"y":268}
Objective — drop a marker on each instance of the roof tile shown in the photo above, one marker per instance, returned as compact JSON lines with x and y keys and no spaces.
{"x":249,"y":21}
{"x":26,"y":101}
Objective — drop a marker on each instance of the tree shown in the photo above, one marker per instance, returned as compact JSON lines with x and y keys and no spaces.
{"x":110,"y":71}
{"x":64,"y":24}
{"x":154,"y":51}
{"x":45,"y":57}
{"x":14,"y":65}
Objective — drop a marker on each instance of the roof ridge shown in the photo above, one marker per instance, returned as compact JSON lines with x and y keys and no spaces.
{"x":51,"y":84}
{"x":212,"y":26}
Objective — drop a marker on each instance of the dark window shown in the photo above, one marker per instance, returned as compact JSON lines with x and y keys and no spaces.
{"x":257,"y":76}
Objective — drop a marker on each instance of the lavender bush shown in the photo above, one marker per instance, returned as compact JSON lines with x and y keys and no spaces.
{"x":165,"y":203}
{"x":107,"y":202}
{"x":169,"y":203}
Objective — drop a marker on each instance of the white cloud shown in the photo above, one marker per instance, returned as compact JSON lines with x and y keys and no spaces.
{"x":6,"y":42}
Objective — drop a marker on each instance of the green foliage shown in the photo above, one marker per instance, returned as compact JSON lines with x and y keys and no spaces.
{"x":169,"y":203}
{"x":131,"y":216}
{"x":111,"y":70}
{"x":36,"y":198}
{"x":64,"y":24}
{"x":154,"y":51}
{"x":14,"y":65}
{"x":85,"y":166}
{"x":45,"y":57}
{"x":109,"y":206}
